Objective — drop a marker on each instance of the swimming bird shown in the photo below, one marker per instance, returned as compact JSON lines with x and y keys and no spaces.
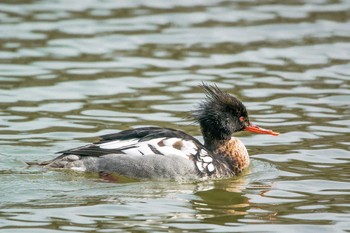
{"x":165,"y":153}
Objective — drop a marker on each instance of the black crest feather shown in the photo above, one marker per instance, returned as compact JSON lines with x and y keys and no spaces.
{"x":219,"y":113}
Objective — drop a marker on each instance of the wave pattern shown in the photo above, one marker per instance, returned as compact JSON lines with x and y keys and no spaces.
{"x":72,"y":70}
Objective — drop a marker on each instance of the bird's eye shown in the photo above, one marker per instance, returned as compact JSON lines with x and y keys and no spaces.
{"x":241,"y":119}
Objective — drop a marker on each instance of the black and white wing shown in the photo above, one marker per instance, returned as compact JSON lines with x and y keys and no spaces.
{"x":147,"y":141}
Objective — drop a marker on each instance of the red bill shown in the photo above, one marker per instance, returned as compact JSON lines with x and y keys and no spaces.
{"x":257,"y":129}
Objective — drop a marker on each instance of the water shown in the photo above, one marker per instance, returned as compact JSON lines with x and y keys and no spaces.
{"x":73,"y":70}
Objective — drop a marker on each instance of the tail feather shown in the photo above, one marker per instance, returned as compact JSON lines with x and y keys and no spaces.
{"x":39,"y":163}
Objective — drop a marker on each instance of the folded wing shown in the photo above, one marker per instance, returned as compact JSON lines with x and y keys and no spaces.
{"x":149,"y":141}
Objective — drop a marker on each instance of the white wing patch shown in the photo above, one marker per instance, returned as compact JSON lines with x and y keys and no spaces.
{"x":117,"y":144}
{"x":189,"y":147}
{"x":211,"y":167}
{"x":164,"y":146}
{"x":204,"y":162}
{"x":170,"y":141}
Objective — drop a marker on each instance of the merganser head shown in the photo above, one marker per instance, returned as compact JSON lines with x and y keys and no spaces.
{"x":222,"y":114}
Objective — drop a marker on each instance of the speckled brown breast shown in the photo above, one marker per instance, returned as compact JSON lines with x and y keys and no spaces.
{"x":237,"y":152}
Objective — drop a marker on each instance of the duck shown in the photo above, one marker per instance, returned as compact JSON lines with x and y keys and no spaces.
{"x":166,"y":153}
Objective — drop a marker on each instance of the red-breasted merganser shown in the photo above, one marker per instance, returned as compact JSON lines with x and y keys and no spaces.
{"x":163,"y":153}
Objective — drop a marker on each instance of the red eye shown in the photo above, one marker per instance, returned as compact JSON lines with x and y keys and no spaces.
{"x":241,"y":119}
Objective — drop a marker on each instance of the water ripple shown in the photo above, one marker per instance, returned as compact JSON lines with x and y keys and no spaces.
{"x":71,"y":71}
